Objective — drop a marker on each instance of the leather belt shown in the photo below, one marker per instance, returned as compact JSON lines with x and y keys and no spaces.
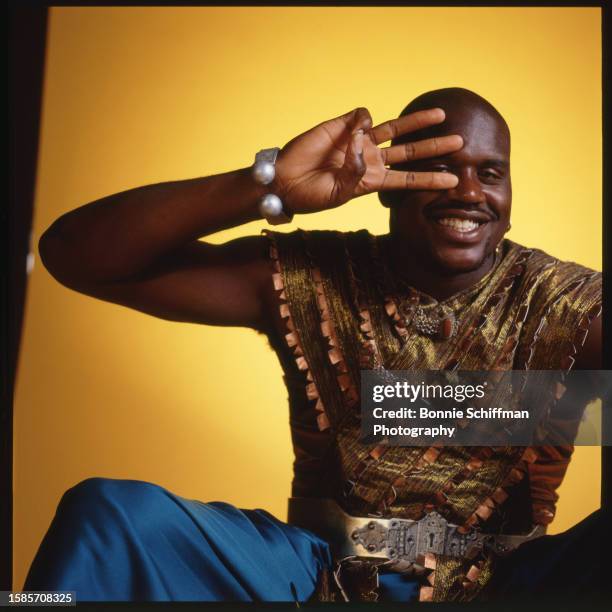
{"x":396,"y":538}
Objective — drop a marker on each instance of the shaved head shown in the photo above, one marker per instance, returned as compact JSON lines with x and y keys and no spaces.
{"x":456,"y":102}
{"x":450,"y":99}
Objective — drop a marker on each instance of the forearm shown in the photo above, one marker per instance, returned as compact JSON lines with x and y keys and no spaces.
{"x":121,"y":235}
{"x":124,"y":235}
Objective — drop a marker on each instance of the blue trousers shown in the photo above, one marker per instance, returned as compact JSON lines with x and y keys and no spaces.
{"x":129,"y":540}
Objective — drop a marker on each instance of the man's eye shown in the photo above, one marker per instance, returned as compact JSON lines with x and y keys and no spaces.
{"x":490,"y":174}
{"x":439,"y":168}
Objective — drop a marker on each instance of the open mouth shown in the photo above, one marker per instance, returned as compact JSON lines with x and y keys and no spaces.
{"x":459,"y":225}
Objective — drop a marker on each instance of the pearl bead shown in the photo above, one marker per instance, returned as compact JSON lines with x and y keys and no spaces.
{"x":270,"y":205}
{"x":263,"y":173}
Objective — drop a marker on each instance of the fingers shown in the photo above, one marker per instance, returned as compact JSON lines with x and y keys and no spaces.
{"x":432,"y":147}
{"x":404,"y":125}
{"x":394,"y":179}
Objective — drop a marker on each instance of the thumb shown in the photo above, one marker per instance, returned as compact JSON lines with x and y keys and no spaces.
{"x":360,"y":119}
{"x":352,"y":170}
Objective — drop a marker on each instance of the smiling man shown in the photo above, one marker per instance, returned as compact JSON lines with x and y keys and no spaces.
{"x":443,"y":290}
{"x":455,"y":232}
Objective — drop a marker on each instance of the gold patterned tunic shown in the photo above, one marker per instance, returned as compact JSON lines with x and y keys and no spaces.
{"x":346,"y":312}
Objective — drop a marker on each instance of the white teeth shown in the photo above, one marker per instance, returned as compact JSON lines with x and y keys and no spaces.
{"x":461,"y":225}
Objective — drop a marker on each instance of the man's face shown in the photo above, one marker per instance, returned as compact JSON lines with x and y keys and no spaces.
{"x":457,"y":229}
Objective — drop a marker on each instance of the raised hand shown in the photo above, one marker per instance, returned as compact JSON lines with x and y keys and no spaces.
{"x":341,"y":159}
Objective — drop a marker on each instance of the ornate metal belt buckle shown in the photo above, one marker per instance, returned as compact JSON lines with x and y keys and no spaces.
{"x":410,"y":541}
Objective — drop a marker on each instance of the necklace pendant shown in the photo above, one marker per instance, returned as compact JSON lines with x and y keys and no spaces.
{"x":440,"y":324}
{"x":424,"y":324}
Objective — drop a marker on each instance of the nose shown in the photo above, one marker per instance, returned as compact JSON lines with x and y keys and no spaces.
{"x":469,"y":189}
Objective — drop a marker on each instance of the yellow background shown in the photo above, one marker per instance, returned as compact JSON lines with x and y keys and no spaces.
{"x":142,"y":95}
